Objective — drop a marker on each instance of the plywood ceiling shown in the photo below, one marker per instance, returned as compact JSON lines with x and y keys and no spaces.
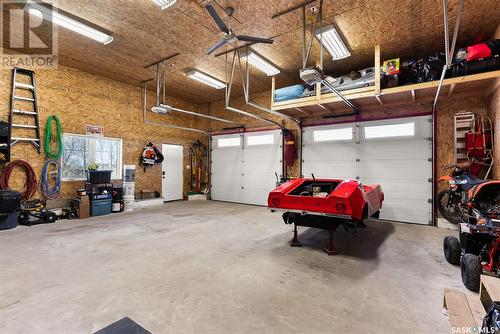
{"x":143,"y":33}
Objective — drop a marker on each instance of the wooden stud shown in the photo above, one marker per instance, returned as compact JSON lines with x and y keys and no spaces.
{"x":302,"y":111}
{"x":452,"y":88}
{"x":273,"y":89}
{"x":377,"y":69}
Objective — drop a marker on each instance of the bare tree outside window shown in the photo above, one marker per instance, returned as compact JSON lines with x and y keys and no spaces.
{"x":81,"y":151}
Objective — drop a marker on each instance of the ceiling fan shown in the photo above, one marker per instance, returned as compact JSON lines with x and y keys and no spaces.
{"x":229,"y":35}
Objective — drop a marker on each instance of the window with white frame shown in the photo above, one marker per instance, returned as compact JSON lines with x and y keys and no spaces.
{"x":81,"y":151}
{"x":260,"y":140}
{"x":390,"y":130}
{"x":332,"y":134}
{"x":229,"y":142}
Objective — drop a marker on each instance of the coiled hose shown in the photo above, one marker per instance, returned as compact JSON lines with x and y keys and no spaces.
{"x":29,"y":185}
{"x":47,"y":145}
{"x":48,"y":191}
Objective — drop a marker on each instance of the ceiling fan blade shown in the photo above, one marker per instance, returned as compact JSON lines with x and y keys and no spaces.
{"x":217,"y":18}
{"x":216,"y":46}
{"x":253,"y":39}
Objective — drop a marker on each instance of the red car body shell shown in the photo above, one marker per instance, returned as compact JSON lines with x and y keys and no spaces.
{"x":347,"y":200}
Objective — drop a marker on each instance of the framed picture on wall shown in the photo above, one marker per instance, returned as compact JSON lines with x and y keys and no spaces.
{"x":94,"y":130}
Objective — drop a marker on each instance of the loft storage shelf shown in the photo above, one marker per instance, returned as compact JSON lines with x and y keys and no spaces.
{"x":474,"y":84}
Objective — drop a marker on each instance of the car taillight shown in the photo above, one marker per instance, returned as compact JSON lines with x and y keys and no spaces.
{"x":340,"y":207}
{"x":275,"y":201}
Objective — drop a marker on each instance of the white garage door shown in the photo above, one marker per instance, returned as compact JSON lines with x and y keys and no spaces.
{"x":395,"y":153}
{"x":244,"y":166}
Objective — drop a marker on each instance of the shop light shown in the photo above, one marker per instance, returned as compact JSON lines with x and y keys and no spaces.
{"x":332,"y":42}
{"x":260,"y":62}
{"x":206,"y":79}
{"x":164,"y":4}
{"x":40,"y":10}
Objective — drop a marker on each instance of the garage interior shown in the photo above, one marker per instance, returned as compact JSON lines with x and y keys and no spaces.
{"x":159,"y":158}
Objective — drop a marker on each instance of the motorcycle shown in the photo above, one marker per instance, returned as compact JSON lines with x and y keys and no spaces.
{"x":452,"y":202}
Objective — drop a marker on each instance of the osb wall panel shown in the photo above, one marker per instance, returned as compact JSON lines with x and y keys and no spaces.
{"x":445,"y":131}
{"x":80,"y":98}
{"x":445,"y":119}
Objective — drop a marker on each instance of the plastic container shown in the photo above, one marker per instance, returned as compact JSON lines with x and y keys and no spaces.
{"x":128,"y":189}
{"x":116,"y":207}
{"x":9,"y":201}
{"x":8,"y":220}
{"x":100,"y":207}
{"x":128,"y":173}
{"x":117,"y":194}
{"x":99,"y":176}
{"x":129,"y":204}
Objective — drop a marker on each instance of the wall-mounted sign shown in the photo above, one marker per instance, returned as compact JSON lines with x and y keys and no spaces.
{"x":94,"y":130}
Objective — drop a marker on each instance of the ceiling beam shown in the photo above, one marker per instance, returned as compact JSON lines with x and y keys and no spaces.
{"x":163,"y":59}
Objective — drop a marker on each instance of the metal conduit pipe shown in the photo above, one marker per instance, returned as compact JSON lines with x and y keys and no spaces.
{"x":169,"y":126}
{"x":246,"y":91}
{"x":449,"y":51}
{"x":204,"y":116}
{"x":229,"y":86}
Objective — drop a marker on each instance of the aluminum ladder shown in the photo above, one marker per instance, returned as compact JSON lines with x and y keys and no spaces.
{"x":24,"y":104}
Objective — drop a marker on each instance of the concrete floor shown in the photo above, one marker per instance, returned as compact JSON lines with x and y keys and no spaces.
{"x":211,"y":267}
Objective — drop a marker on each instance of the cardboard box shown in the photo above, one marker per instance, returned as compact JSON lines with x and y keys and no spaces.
{"x":84,"y":207}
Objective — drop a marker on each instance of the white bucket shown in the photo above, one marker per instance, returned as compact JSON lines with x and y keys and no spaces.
{"x":129,"y":204}
{"x":116,"y":207}
{"x":128,"y":189}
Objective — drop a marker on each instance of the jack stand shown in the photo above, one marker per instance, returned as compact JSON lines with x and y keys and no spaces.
{"x":295,"y":241}
{"x":330,"y":248}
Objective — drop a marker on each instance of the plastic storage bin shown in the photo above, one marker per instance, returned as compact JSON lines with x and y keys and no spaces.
{"x":99,"y":176}
{"x":100,"y":207}
{"x":129,"y":173}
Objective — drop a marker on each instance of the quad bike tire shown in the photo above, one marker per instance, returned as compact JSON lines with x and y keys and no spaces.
{"x":471,"y":271}
{"x":48,"y":217}
{"x":452,"y":217}
{"x":452,"y":252}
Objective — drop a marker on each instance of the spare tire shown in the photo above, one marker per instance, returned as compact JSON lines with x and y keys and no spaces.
{"x":471,"y":271}
{"x":451,"y":247}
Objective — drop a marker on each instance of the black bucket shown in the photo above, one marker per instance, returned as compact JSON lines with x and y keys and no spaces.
{"x":10,"y":201}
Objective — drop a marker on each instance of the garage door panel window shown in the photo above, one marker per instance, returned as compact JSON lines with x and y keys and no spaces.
{"x":229,"y":142}
{"x":260,"y":140}
{"x":340,"y":134}
{"x":81,"y":151}
{"x":390,"y":131}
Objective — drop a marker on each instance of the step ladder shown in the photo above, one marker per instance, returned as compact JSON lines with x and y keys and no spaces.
{"x":23,"y":102}
{"x":464,"y":122}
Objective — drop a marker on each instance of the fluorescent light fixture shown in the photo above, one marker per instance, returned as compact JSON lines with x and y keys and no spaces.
{"x":260,"y":62}
{"x":164,"y":4}
{"x":52,"y":14}
{"x":332,"y":134}
{"x":391,"y":130}
{"x":206,"y":79}
{"x":332,"y":42}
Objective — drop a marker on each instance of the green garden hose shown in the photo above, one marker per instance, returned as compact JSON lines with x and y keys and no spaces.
{"x":47,"y":146}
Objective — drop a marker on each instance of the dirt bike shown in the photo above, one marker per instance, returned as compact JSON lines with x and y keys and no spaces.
{"x":452,"y":202}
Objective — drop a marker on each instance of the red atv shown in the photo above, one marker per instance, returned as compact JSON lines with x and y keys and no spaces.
{"x":477,"y":249}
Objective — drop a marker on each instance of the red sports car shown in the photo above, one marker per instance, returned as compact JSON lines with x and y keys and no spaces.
{"x":326,"y":204}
